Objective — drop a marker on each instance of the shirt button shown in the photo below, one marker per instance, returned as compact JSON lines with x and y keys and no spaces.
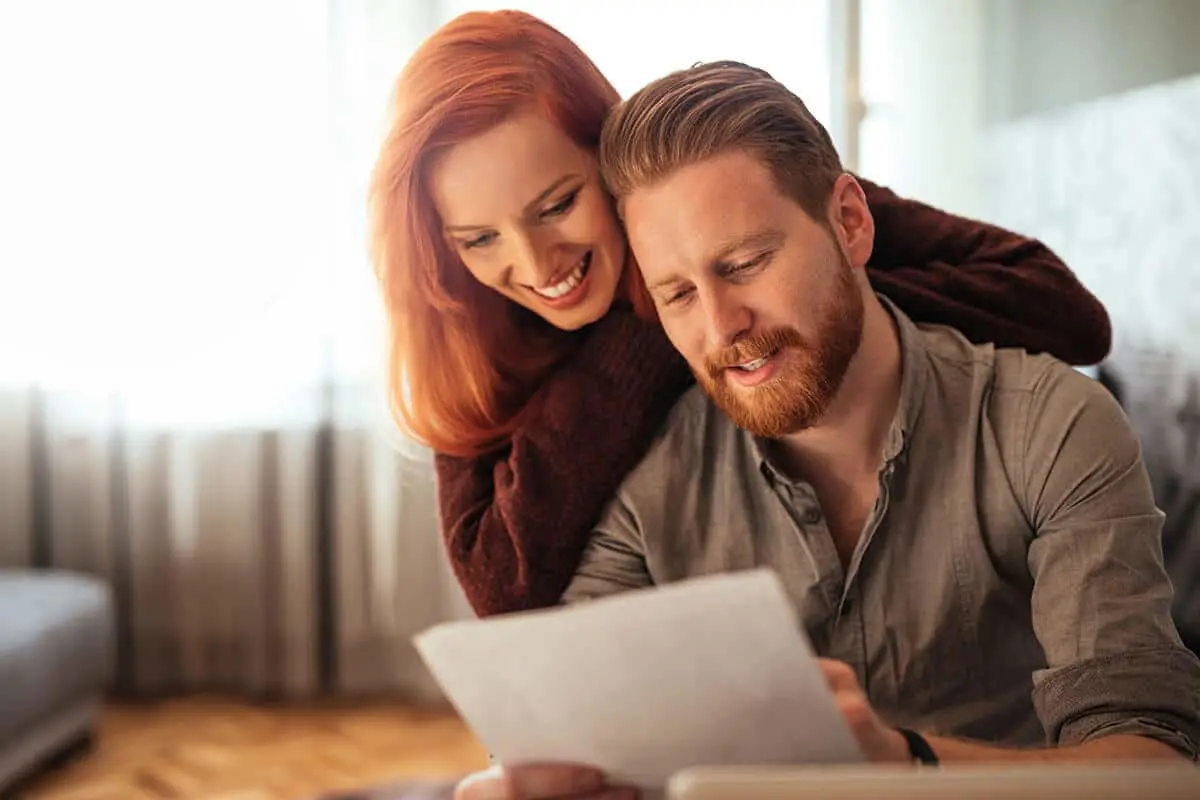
{"x":812,"y":516}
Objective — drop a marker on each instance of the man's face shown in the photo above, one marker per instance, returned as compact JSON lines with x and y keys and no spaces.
{"x":761,"y":299}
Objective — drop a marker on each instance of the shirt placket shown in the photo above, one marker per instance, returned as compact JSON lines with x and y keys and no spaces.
{"x":848,"y":638}
{"x":813,"y":532}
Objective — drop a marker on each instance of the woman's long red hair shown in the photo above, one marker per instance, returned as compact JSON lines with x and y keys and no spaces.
{"x":464,"y":359}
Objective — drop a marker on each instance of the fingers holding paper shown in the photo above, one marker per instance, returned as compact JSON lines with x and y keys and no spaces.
{"x":879,"y":742}
{"x":552,"y":781}
{"x":565,"y":781}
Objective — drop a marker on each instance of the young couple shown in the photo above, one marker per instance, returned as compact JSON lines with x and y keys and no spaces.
{"x":912,"y":484}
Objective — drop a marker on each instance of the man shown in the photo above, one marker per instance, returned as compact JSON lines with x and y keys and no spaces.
{"x":968,"y":534}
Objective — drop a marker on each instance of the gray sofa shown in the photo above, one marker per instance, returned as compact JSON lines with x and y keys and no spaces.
{"x":56,"y":660}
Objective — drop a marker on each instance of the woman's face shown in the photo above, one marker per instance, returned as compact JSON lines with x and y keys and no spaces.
{"x":524,"y":208}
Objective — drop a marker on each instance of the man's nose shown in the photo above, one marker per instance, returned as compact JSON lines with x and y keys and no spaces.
{"x":727,"y":319}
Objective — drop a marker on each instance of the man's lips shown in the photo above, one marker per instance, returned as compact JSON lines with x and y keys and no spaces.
{"x":754,"y":371}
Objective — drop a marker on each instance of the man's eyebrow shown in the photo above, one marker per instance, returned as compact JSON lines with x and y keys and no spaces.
{"x":541,"y":198}
{"x":759,"y":239}
{"x":663,"y":283}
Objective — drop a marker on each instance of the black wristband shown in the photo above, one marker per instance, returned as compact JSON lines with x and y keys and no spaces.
{"x":919,"y":747}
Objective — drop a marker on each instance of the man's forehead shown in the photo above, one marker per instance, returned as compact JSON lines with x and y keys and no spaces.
{"x":688,"y":217}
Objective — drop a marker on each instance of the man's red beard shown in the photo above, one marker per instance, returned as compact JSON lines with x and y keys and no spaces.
{"x":810,"y":374}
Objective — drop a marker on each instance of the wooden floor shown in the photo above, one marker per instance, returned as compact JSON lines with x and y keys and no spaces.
{"x":220,"y":749}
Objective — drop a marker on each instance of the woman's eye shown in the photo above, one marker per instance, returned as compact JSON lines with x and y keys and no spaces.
{"x":562,"y":206}
{"x":481,"y":240}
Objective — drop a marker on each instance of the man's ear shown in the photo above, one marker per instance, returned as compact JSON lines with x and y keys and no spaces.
{"x":853,"y":225}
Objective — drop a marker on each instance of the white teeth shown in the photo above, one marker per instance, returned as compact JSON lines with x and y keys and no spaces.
{"x":750,"y":366}
{"x":568,"y":283}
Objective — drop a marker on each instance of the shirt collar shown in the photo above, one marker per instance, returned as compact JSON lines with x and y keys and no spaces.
{"x":914,"y":372}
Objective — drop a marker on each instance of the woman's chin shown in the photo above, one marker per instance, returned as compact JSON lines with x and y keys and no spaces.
{"x":579,"y":317}
{"x":587,"y":309}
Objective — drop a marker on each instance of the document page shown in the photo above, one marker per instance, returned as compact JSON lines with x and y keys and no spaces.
{"x":710,"y":671}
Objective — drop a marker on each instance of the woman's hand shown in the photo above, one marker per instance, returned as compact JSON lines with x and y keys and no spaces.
{"x":553,"y":781}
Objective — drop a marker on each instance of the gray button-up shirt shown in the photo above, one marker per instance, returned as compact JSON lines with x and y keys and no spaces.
{"x":1009,"y":583}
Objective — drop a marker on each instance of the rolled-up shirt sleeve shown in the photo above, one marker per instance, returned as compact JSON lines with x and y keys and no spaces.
{"x":615,"y":557}
{"x":1101,"y":602}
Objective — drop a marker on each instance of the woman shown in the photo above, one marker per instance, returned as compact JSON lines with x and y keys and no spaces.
{"x":516,"y":352}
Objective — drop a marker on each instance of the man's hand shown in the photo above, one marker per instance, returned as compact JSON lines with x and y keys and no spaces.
{"x":558,"y":781}
{"x":883,"y":744}
{"x":879,"y":742}
{"x":542,"y":782}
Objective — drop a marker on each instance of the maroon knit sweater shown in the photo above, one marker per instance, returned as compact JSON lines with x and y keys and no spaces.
{"x":515,"y":521}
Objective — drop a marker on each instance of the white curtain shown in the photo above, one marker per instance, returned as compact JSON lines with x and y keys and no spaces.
{"x":191,"y":403}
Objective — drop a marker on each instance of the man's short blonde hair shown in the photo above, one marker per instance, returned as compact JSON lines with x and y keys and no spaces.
{"x":708,"y":109}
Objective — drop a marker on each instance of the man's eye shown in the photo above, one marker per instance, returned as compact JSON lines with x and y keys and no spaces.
{"x":674,"y":298}
{"x":747,"y":265}
{"x":482,"y":240}
{"x":562,"y":206}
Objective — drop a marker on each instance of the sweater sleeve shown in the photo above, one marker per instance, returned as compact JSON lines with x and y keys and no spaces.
{"x":991,"y":284}
{"x":516,"y":522}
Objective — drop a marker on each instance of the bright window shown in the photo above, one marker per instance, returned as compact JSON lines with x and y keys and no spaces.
{"x":636,"y":41}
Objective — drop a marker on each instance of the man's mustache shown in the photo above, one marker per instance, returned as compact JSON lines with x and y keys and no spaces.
{"x":752,"y":348}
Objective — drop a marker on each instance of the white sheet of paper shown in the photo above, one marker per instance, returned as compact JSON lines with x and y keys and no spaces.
{"x":710,"y":671}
